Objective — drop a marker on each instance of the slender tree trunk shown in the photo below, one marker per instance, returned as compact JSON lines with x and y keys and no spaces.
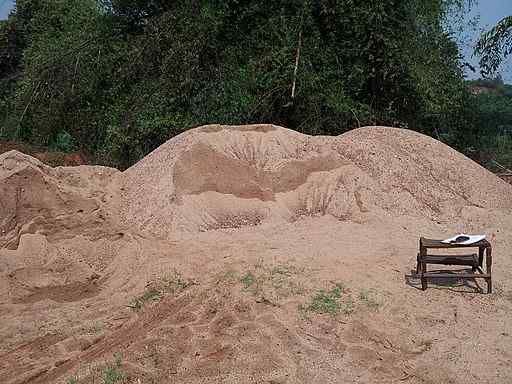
{"x":297,"y":59}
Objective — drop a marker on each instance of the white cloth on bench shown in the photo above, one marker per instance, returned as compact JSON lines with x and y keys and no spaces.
{"x":472,"y":239}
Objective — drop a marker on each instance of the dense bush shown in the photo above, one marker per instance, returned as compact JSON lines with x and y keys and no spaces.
{"x":117,"y":78}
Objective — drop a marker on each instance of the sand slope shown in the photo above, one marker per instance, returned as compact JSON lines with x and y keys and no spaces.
{"x":237,"y":229}
{"x":222,"y":177}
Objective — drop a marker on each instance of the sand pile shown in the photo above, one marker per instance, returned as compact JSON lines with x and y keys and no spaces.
{"x":218,"y":177}
{"x":226,"y":177}
{"x":40,"y":206}
{"x":251,"y":254}
{"x":62,"y":201}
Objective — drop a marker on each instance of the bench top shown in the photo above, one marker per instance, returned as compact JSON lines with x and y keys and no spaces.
{"x":431,"y":243}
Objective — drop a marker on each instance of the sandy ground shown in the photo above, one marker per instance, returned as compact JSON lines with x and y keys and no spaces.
{"x":251,"y":255}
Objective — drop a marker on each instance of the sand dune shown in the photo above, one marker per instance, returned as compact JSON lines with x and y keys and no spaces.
{"x":202,"y":262}
{"x":221,"y":177}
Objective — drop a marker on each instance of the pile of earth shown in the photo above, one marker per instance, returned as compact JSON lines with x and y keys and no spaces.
{"x":251,"y":254}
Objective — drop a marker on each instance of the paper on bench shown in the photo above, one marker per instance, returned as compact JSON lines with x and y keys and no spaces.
{"x":472,"y":239}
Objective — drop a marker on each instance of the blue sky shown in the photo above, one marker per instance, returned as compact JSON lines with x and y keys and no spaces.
{"x":487,"y":11}
{"x":5,"y":8}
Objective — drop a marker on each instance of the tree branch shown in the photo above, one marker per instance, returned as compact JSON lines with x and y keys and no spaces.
{"x":297,"y":58}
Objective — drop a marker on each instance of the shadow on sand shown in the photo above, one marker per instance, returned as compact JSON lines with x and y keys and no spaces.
{"x":455,"y":284}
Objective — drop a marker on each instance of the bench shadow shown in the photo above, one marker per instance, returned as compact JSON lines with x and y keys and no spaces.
{"x":465,"y":285}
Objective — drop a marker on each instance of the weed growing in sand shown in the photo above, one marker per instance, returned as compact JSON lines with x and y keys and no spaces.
{"x":331,"y":302}
{"x":113,"y":373}
{"x":273,"y":282}
{"x":109,"y":372}
{"x":327,"y":302}
{"x":248,"y":280}
{"x":94,"y":328}
{"x":155,"y":290}
{"x":172,"y":283}
{"x":229,"y":277}
{"x":366,"y":296}
{"x":137,"y":303}
{"x":280,"y":278}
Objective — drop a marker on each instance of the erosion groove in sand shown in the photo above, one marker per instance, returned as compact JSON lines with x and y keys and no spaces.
{"x":200,"y":262}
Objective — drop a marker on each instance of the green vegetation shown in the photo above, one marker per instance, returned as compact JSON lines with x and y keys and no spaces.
{"x":270,"y":284}
{"x":229,"y":277}
{"x":495,"y":45}
{"x":109,"y":373}
{"x":492,"y":113}
{"x":94,"y":328}
{"x":248,"y":280}
{"x":113,"y":373}
{"x":368,"y":298}
{"x":173,"y":283}
{"x":138,"y":303}
{"x":116,"y":78}
{"x":339,"y":300}
{"x":331,"y":302}
{"x":281,"y":279}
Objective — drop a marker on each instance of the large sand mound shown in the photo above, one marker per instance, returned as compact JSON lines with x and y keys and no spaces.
{"x":223,"y":177}
{"x":202,"y":262}
{"x":217,"y":177}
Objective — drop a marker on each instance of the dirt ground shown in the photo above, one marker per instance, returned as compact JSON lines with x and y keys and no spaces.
{"x":252,"y":254}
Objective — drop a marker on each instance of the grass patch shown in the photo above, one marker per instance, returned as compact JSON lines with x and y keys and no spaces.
{"x":326,"y":302}
{"x":138,"y":303}
{"x":113,"y":373}
{"x":170,"y":284}
{"x":94,"y":328}
{"x":109,"y":373}
{"x":248,"y":280}
{"x":281,"y":278}
{"x":332,"y":302}
{"x":272,"y":283}
{"x":229,"y":277}
{"x":367,"y":297}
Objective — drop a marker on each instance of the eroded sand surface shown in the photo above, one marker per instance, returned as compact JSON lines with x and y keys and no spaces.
{"x":201,"y":263}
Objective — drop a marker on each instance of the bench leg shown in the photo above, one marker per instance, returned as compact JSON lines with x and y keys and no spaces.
{"x":423,"y":278}
{"x":488,"y":265}
{"x":423,"y":266}
{"x":418,"y":264}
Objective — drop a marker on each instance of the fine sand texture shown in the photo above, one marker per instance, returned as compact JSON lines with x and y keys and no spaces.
{"x":252,"y":254}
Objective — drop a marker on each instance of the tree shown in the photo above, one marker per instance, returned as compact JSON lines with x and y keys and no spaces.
{"x":119,"y":77}
{"x":495,"y":45}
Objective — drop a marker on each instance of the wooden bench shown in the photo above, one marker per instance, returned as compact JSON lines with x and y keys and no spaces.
{"x":473,"y":260}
